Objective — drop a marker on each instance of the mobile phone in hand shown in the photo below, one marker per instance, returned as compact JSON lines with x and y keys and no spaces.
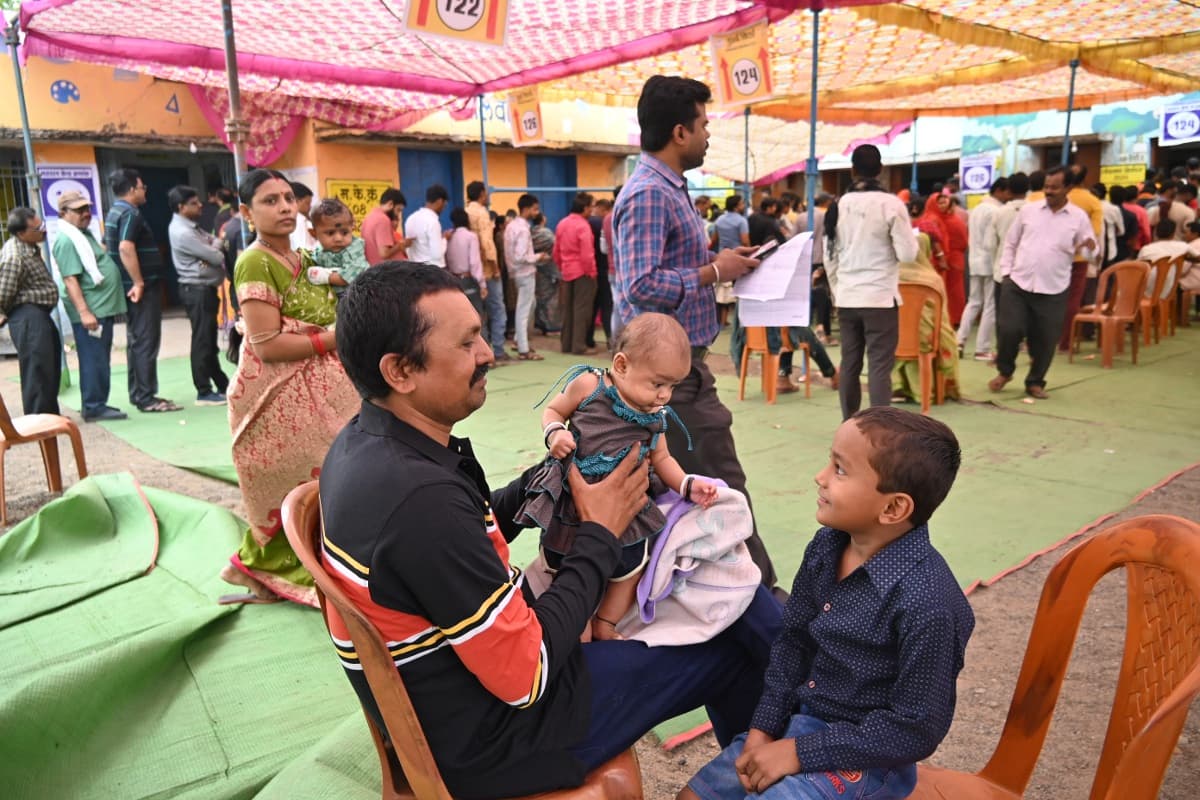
{"x":765,"y":249}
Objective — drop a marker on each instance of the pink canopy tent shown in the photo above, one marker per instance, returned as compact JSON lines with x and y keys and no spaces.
{"x":367,"y":71}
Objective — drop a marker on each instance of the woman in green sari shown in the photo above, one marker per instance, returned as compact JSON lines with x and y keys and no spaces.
{"x":289,"y":397}
{"x":906,"y":376}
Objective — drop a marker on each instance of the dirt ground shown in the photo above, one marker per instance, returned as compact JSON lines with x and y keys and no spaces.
{"x":1004,"y":613}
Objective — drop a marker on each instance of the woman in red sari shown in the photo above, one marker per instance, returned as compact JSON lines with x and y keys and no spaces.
{"x":951,"y":238}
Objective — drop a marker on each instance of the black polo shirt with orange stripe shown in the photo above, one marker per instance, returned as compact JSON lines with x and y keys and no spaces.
{"x":419,"y":542}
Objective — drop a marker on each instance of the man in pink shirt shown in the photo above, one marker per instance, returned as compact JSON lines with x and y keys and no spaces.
{"x":1036,"y":265}
{"x":379,"y":228}
{"x":575,"y":254}
{"x":1144,"y":234}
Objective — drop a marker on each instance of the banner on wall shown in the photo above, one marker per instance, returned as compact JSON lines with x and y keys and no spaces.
{"x":58,"y":179}
{"x":977,"y":173}
{"x":525,"y":114}
{"x":1122,"y":174}
{"x":1180,"y":125}
{"x":742,"y":60}
{"x":476,"y":21}
{"x":359,"y":196}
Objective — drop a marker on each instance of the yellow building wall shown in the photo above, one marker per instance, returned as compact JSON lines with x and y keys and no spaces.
{"x":301,"y":153}
{"x":351,"y":161}
{"x":599,"y":169}
{"x":505,"y":168}
{"x":63,"y":153}
{"x":109,"y":102}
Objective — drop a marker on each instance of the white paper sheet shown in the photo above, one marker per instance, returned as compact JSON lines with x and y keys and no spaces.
{"x":792,"y":307}
{"x":770,"y":280}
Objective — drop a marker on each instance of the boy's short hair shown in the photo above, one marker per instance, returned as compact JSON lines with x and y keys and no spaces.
{"x":329,"y":208}
{"x":913,"y":454}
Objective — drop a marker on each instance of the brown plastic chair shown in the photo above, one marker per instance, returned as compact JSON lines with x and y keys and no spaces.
{"x":1119,"y":295}
{"x":1159,"y":273}
{"x":409,"y":770}
{"x":1160,"y":670}
{"x":1165,"y":311}
{"x":45,"y":430}
{"x":756,"y":343}
{"x":914,"y":297}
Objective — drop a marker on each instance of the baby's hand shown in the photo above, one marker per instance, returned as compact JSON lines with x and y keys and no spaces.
{"x":702,"y":493}
{"x":562,"y":443}
{"x":604,"y":631}
{"x":319,"y":276}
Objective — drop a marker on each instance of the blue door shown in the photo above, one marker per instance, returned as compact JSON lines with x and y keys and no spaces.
{"x":552,"y":171}
{"x":420,"y":169}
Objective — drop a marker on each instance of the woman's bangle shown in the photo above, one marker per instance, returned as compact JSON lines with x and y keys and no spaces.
{"x":317,"y":345}
{"x":549,"y":429}
{"x":605,"y":621}
{"x":716,"y":272}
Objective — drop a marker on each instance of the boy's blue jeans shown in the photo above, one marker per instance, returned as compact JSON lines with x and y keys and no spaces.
{"x":719,"y":780}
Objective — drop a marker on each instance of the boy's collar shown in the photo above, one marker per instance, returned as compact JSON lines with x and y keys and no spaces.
{"x":896,"y":558}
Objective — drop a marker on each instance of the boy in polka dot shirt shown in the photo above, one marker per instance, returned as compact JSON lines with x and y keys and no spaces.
{"x":861,"y":682}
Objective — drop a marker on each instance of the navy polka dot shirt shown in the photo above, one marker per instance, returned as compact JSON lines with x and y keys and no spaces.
{"x":874,"y":655}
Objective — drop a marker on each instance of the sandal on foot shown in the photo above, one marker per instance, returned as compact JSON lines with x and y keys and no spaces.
{"x":532,"y":355}
{"x":158,"y":406}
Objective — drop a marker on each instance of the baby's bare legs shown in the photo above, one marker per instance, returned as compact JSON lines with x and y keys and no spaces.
{"x":617,"y":599}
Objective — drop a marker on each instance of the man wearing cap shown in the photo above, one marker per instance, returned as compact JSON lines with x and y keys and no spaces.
{"x":95,"y":298}
{"x":27,"y":297}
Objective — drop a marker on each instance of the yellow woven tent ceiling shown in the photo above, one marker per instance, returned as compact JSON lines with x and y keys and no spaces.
{"x":891,"y":62}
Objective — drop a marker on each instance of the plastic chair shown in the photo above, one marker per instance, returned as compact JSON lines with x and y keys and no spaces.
{"x":1160,"y":272}
{"x":1165,"y":312}
{"x":914,"y":297}
{"x":756,"y":342}
{"x":1160,"y":670}
{"x":1119,"y":295}
{"x":45,"y":430}
{"x":1187,"y":299}
{"x":407,"y":763}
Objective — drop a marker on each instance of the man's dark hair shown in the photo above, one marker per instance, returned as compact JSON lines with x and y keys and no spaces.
{"x":254,"y":179}
{"x":180,"y":195}
{"x":1099,"y":190}
{"x":225,"y":196}
{"x":1116,"y":195}
{"x":768,"y":204}
{"x":436,"y":192}
{"x":1193,"y":226}
{"x":1186,"y":188}
{"x":526,"y":200}
{"x":1076,"y":174}
{"x":1131,"y":194}
{"x":1179,"y":173}
{"x":1037,"y":180}
{"x":604,"y":204}
{"x":866,"y":162}
{"x":459,"y":218}
{"x":394,"y":196}
{"x":329,"y":208}
{"x":540,"y":219}
{"x":732,"y":202}
{"x":1165,"y":229}
{"x":911,"y":453}
{"x":378,"y":316}
{"x":122,"y":181}
{"x":581,"y":203}
{"x":1193,"y":163}
{"x":475,"y":190}
{"x":1000,"y":185}
{"x":1059,"y":170}
{"x":667,"y":101}
{"x":19,"y":219}
{"x":301,"y":190}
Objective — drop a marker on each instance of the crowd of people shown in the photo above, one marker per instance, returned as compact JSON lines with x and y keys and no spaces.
{"x":521,"y":693}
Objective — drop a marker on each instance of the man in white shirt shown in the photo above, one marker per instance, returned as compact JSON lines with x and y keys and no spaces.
{"x":1018,"y":187}
{"x":302,"y":237}
{"x":424,"y":228}
{"x":984,"y":241}
{"x":1038,"y":251}
{"x":868,"y":233}
{"x":522,"y":269}
{"x":1165,"y":245}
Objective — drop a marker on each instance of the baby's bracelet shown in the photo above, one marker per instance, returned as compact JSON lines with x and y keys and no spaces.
{"x":685,"y":487}
{"x":549,"y":429}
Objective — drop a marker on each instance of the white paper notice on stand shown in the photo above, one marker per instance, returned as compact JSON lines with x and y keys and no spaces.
{"x":770,"y":280}
{"x":792,"y":309}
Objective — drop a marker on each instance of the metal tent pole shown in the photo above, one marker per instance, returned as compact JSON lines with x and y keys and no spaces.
{"x":236,"y":128}
{"x":1066,"y":151}
{"x":33,"y":182}
{"x":482,"y":143}
{"x":811,"y":176}
{"x":912,"y":184}
{"x":746,"y":152}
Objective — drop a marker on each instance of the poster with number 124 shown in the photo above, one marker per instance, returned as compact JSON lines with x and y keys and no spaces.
{"x":742,"y":61}
{"x":477,"y":21}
